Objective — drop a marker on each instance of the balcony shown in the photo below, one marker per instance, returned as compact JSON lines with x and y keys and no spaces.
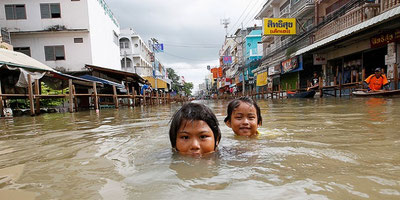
{"x":301,"y":7}
{"x":351,"y":18}
{"x":389,"y":4}
{"x":285,"y":12}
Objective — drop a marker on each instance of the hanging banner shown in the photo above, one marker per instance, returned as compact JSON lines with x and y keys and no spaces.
{"x":289,"y":65}
{"x":227,"y":60}
{"x":220,"y":72}
{"x":214,"y":71}
{"x":385,"y":38}
{"x":262,"y":79}
{"x":279,"y":26}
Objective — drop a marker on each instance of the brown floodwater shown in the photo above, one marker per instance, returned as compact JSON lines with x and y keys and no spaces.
{"x":327,"y":148}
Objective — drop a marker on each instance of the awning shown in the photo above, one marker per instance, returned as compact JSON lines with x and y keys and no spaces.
{"x":115,"y":72}
{"x":104,"y":81}
{"x":161,"y":84}
{"x":18,"y":59}
{"x":359,"y":27}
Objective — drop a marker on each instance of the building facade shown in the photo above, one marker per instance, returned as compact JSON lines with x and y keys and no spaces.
{"x":64,"y":35}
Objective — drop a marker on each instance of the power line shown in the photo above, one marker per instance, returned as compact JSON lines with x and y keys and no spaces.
{"x":252,"y":10}
{"x":194,"y":46}
{"x":240,"y":16}
{"x":183,"y":57}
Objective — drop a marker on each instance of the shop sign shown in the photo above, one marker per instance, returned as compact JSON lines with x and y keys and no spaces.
{"x":289,"y":65}
{"x":262,"y":79}
{"x":214,"y":71}
{"x":382,"y":40}
{"x":320,"y":59}
{"x":397,"y":35}
{"x":227,"y":59}
{"x":219,"y":71}
{"x":279,"y":26}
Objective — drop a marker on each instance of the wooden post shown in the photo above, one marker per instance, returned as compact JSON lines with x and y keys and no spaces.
{"x":169,"y":97}
{"x":96,"y":99}
{"x":144,"y":97}
{"x":157,"y":97}
{"x":340,"y":87}
{"x":1,"y":102}
{"x":32,"y":106}
{"x":356,"y":77}
{"x":37,"y":99}
{"x":279,"y":92}
{"x":71,"y":97}
{"x":396,"y":77}
{"x":363,"y":75}
{"x":127,"y":92}
{"x":134,"y":96}
{"x":75,"y":98}
{"x":115,"y":97}
{"x":320,"y":87}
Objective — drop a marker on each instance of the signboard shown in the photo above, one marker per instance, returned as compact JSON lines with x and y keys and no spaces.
{"x":279,"y":26}
{"x":219,"y":71}
{"x":262,"y":79}
{"x":289,"y":65}
{"x":227,"y":60}
{"x":214,"y":71}
{"x":320,"y":59}
{"x":158,"y":47}
{"x":385,"y":38}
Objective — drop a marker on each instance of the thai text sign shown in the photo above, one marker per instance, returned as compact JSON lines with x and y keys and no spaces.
{"x":227,"y":60}
{"x":279,"y":26}
{"x":262,"y":79}
{"x":214,"y":71}
{"x":385,"y":38}
{"x":220,"y":72}
{"x":289,"y":65}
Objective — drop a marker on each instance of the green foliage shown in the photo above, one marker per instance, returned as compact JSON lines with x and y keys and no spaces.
{"x":176,"y":86}
{"x":46,"y":90}
{"x":187,"y":88}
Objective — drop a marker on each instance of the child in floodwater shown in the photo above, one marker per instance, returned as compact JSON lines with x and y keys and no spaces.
{"x":243,"y":117}
{"x":194,"y":130}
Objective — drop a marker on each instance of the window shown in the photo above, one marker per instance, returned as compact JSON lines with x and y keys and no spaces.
{"x":124,"y":43}
{"x":78,"y":40}
{"x":15,"y":11}
{"x":50,"y":10}
{"x":54,"y":53}
{"x":24,"y":50}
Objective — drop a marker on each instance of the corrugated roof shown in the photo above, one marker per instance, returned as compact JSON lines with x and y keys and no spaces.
{"x":18,"y":59}
{"x":380,"y":18}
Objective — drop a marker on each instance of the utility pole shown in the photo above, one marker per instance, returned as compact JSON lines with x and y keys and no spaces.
{"x":242,"y":60}
{"x":225,"y":22}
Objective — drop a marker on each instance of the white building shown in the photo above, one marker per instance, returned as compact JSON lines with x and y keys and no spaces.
{"x":135,"y":54}
{"x":63,"y":34}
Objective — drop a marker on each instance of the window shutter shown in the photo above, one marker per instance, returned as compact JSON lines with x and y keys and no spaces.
{"x":55,"y":10}
{"x":20,"y":12}
{"x":49,"y":53}
{"x":9,"y":11}
{"x":45,"y":11}
{"x":60,"y":53}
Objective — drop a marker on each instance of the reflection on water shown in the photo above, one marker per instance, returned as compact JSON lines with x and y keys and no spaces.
{"x":308,"y":149}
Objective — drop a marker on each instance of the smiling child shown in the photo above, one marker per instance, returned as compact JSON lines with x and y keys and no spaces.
{"x":194,"y":130}
{"x":244,"y":117}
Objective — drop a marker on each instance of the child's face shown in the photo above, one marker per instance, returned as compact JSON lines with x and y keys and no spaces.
{"x":244,"y":120}
{"x":195,"y":138}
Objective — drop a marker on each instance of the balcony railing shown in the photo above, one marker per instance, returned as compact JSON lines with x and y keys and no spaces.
{"x":352,"y":18}
{"x":285,"y":11}
{"x":389,"y":4}
{"x":301,"y":6}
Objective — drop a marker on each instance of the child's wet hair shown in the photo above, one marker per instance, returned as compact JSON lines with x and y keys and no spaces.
{"x":236,"y":102}
{"x":193,"y":112}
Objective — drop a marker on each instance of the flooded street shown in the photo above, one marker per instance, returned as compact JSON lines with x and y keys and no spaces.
{"x":308,"y":149}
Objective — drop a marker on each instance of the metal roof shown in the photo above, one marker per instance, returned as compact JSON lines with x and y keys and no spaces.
{"x":359,"y":27}
{"x":17,"y":59}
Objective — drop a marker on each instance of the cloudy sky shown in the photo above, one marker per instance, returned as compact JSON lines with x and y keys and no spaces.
{"x":190,"y":29}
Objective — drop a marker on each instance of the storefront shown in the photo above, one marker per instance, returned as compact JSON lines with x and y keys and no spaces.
{"x":290,"y":78}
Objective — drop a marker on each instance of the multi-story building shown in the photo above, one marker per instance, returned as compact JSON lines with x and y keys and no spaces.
{"x":64,"y":35}
{"x":136,"y":56}
{"x":5,"y":40}
{"x":341,"y":40}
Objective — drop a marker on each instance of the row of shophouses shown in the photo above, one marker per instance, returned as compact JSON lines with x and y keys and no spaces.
{"x":74,"y":36}
{"x":342,"y":40}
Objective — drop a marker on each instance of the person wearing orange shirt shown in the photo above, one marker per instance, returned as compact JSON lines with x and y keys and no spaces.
{"x":377,"y":81}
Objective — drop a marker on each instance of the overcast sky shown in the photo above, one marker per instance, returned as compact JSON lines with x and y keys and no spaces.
{"x":190,"y":29}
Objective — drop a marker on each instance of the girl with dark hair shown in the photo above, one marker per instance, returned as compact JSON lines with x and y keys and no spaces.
{"x":194,"y":130}
{"x":244,"y":117}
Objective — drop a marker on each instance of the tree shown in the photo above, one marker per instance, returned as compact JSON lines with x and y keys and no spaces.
{"x":187,"y":88}
{"x":175,"y":85}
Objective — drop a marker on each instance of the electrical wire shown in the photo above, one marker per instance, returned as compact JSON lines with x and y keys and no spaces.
{"x":248,"y":13}
{"x":240,"y":17}
{"x":183,"y":57}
